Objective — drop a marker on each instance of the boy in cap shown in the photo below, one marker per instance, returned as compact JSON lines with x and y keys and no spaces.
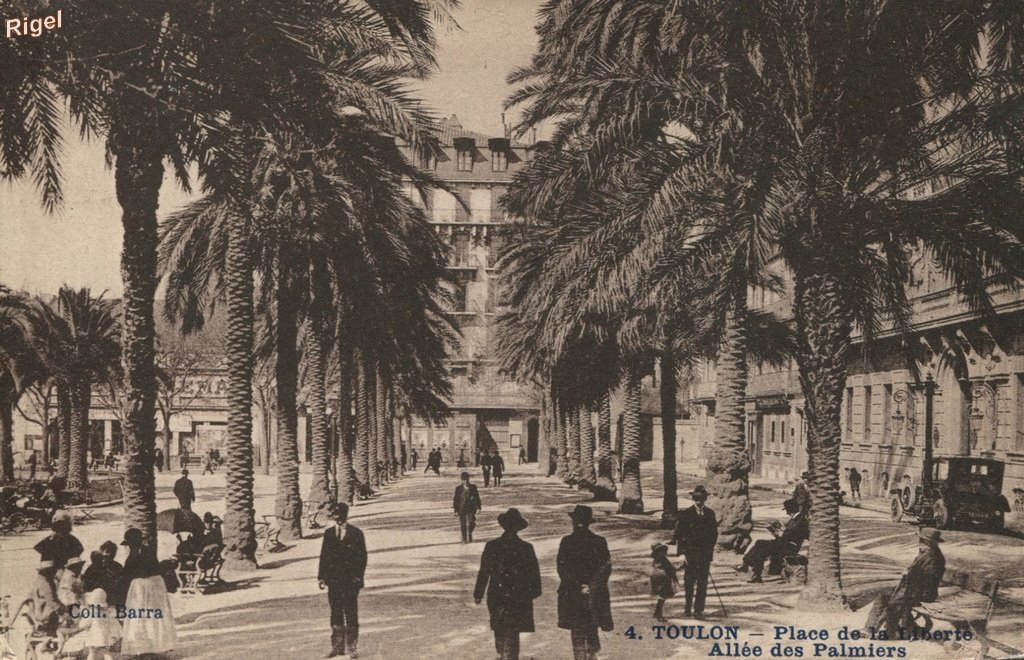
{"x":695,"y":536}
{"x":664,"y":582}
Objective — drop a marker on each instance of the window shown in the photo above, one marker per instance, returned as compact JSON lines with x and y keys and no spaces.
{"x":887,"y":415}
{"x":867,"y":415}
{"x":460,"y":250}
{"x":465,"y":161}
{"x":499,"y":161}
{"x":428,"y":162}
{"x":460,"y":296}
{"x":848,"y":426}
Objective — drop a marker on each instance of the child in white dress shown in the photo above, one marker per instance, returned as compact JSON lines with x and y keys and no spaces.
{"x":102,"y":631}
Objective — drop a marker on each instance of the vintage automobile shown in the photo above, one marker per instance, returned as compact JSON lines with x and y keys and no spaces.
{"x":963,"y":492}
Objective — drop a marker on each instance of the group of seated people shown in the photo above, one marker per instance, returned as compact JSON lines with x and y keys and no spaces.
{"x":200,"y":550}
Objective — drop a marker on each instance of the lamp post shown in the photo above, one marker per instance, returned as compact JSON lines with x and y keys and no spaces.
{"x":929,"y":413}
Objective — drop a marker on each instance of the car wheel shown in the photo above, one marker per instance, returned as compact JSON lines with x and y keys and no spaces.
{"x":940,"y":514}
{"x":896,"y":509}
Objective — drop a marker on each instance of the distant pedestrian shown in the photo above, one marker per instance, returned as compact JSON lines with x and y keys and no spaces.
{"x":485,"y":465}
{"x":405,"y":460}
{"x":801,"y":495}
{"x":183,"y":457}
{"x":510,"y":576}
{"x":466,"y":504}
{"x":342,"y":568}
{"x":522,"y":455}
{"x":883,"y":485}
{"x":158,"y":459}
{"x":32,"y":459}
{"x":584,"y":566}
{"x":695,"y":537}
{"x":415,"y":458}
{"x":434,"y":461}
{"x":664,"y":579}
{"x":855,"y":479}
{"x":184,"y":491}
{"x":497,"y":467}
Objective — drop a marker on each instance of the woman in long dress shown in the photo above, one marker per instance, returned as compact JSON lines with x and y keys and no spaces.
{"x":148,"y":622}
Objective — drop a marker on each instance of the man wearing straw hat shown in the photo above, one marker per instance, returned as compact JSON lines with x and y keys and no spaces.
{"x":510,"y":575}
{"x":584,"y":604}
{"x":920,"y":584}
{"x":695,"y":536}
{"x":342,"y":566}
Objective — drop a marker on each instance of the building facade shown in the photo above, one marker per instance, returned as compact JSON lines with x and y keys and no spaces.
{"x":977,"y":366}
{"x":490,"y":410}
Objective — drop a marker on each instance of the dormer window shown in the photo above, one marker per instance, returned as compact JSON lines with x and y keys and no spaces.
{"x":464,"y":147}
{"x":499,"y":154}
{"x":428,"y":161}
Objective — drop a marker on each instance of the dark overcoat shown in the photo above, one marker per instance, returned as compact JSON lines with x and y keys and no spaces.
{"x":510,"y":575}
{"x":583,"y":559}
{"x":696,"y":534}
{"x":925,"y":575}
{"x":473,"y":503}
{"x":343,"y":563}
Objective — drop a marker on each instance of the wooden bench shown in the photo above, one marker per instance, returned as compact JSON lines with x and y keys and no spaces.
{"x":965,"y":602}
{"x":269,"y":530}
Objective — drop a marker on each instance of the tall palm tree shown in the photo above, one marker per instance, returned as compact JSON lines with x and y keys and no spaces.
{"x":605,"y":485}
{"x":631,"y":499}
{"x":15,"y":356}
{"x":587,"y":475}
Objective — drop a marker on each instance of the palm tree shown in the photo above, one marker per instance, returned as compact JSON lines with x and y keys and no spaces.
{"x":668,"y":390}
{"x":15,"y":360}
{"x":587,"y":476}
{"x":605,"y":485}
{"x":631,"y":498}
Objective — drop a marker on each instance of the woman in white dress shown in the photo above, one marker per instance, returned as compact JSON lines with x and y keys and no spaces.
{"x":147,"y":618}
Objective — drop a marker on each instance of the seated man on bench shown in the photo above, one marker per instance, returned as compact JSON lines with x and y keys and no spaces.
{"x":787,"y":541}
{"x":920,"y":584}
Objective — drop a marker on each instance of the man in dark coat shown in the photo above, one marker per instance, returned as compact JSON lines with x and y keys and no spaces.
{"x":695,"y":537}
{"x":32,"y":461}
{"x":510,"y":575}
{"x":184,"y":491}
{"x":787,"y":541}
{"x":485,"y":465}
{"x":466,"y":503}
{"x":158,"y":459}
{"x":497,"y":467}
{"x":342,"y":566}
{"x":183,"y":457}
{"x":801,"y":495}
{"x":61,"y":545}
{"x":920,"y":584}
{"x":584,"y":604}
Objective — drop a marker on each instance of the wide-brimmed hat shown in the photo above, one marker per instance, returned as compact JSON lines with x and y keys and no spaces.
{"x":512,"y":520}
{"x":699,"y":491}
{"x":581,"y":513}
{"x":658,"y":548}
{"x":132,"y":537}
{"x":930,"y":535}
{"x":790,"y":506}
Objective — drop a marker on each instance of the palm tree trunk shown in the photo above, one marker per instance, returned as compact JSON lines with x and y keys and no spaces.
{"x":343,"y":467}
{"x":166,"y":432}
{"x":605,"y":489}
{"x":372,"y":443}
{"x":288,"y":499}
{"x":823,"y":341}
{"x":669,"y":387}
{"x":239,"y":517}
{"x":729,"y":463}
{"x":573,"y":446}
{"x":320,"y":489}
{"x":78,"y":475}
{"x":389,"y":429}
{"x":587,"y":476}
{"x":381,"y":413}
{"x":6,"y":436}
{"x":632,"y":494}
{"x":138,"y":174}
{"x":63,"y":430}
{"x":563,"y":442}
{"x":361,"y":457}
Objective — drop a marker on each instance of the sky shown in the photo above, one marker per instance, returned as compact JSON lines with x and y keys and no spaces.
{"x":80,"y":244}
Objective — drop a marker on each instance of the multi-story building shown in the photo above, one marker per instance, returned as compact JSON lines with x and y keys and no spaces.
{"x":978,"y":370}
{"x":490,"y":411}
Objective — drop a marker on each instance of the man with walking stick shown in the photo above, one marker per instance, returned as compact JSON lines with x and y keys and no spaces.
{"x":695,"y":536}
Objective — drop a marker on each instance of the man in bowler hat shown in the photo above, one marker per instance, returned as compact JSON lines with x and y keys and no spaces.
{"x":787,"y":541}
{"x":510,"y":575}
{"x":695,"y":536}
{"x":584,"y":604}
{"x":342,"y":565}
{"x":184,"y":491}
{"x":466,"y":504}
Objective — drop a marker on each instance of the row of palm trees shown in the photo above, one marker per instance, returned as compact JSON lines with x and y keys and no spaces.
{"x":63,"y":348}
{"x":289,"y":114}
{"x":701,"y":150}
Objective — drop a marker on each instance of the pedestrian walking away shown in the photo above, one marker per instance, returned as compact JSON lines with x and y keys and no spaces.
{"x":342,"y":568}
{"x":510,"y":576}
{"x":695,"y":537}
{"x":522,"y":455}
{"x":584,"y":566}
{"x":485,"y":466}
{"x":855,"y":480}
{"x":32,"y":460}
{"x":183,"y":457}
{"x":158,"y":459}
{"x":184,"y":491}
{"x":415,"y":458}
{"x":497,"y":467}
{"x":466,"y":504}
